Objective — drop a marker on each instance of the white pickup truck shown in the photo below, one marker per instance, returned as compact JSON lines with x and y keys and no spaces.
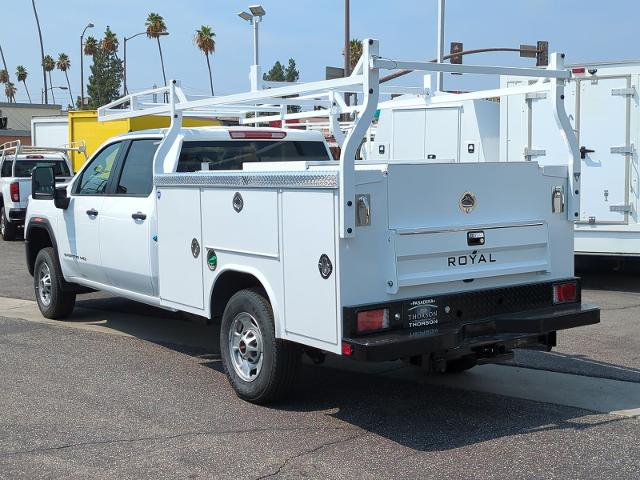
{"x":442,"y":265}
{"x":16,"y":164}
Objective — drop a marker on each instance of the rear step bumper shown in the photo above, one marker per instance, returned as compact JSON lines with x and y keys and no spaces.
{"x":17,"y":215}
{"x":504,"y":328}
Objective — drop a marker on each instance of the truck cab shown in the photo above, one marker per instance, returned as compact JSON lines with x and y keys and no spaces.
{"x":17,"y":162}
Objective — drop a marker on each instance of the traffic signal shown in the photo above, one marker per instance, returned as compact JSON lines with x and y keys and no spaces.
{"x":456,"y":48}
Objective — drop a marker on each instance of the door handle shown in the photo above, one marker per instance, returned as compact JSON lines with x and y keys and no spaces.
{"x":92,"y":212}
{"x":583,"y":152}
{"x":139,"y":216}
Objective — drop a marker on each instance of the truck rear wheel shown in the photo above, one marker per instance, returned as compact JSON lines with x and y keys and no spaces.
{"x":7,"y":229}
{"x":260,"y":367}
{"x":53,"y":301}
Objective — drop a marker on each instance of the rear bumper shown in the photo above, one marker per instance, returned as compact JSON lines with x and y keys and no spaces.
{"x":500,"y":329}
{"x":17,"y":215}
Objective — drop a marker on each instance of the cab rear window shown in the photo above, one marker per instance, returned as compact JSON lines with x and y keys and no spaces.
{"x":24,"y":168}
{"x":7,"y":167}
{"x":231,"y":154}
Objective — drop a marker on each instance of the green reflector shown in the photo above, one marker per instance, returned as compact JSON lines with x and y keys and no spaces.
{"x":212,"y":259}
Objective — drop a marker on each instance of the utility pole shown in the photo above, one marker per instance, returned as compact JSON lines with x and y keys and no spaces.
{"x":440,"y":41}
{"x":347,"y":59}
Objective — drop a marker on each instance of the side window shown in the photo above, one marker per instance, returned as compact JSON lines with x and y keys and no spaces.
{"x":137,"y":173}
{"x":94,"y":178}
{"x":6,"y":168}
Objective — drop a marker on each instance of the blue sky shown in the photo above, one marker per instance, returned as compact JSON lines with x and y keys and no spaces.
{"x":311,"y":32}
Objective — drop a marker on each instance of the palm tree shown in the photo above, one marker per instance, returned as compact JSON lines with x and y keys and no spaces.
{"x":64,"y":65}
{"x":355,"y":52}
{"x":110,"y":42}
{"x":204,"y":40}
{"x":91,"y":46}
{"x":49,"y":64}
{"x":22,"y":74}
{"x":10,"y":91}
{"x":4,"y":63}
{"x":44,"y":73}
{"x":4,"y":78}
{"x":155,"y":26}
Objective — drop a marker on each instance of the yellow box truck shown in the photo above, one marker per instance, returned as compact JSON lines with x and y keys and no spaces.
{"x":84,"y":126}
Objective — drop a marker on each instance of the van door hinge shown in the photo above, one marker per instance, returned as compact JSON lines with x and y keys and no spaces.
{"x":529,"y":153}
{"x":620,"y":208}
{"x":624,"y":92}
{"x":623,"y":150}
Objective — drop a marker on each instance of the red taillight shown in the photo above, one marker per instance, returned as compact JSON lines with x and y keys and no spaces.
{"x":35,"y":157}
{"x":256,"y":135}
{"x":14,"y":190}
{"x":577,"y":70}
{"x":371,"y":320}
{"x":347,"y":349}
{"x":565,"y":292}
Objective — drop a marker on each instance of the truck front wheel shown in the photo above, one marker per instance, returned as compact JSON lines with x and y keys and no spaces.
{"x":7,"y":229}
{"x":260,"y":367}
{"x":53,"y":301}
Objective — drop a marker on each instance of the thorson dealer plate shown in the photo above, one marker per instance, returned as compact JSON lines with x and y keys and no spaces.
{"x":420,"y":312}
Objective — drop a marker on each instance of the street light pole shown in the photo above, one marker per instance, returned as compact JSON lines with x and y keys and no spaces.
{"x":125,"y":89}
{"x":89,"y":25}
{"x":256,"y":58}
{"x":254,"y":18}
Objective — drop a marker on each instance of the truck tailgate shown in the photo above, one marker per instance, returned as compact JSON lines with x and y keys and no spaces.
{"x":468,"y":224}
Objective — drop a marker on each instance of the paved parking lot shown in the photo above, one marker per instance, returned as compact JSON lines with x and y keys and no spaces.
{"x":128,"y":391}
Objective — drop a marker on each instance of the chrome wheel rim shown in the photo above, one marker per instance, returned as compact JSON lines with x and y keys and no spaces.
{"x":44,"y":285}
{"x":2,"y":225}
{"x":246,"y":347}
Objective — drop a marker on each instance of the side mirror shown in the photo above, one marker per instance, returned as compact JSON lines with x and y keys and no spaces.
{"x":43,"y":183}
{"x":61,"y":200}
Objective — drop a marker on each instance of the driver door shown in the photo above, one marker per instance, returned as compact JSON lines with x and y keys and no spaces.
{"x":79,"y":244}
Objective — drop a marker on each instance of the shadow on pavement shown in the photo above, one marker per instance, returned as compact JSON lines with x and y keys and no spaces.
{"x":609,"y":273}
{"x":426,"y":417}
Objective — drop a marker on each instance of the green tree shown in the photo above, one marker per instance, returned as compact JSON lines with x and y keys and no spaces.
{"x":64,"y":64}
{"x":155,"y":26}
{"x":49,"y":64}
{"x":276,"y":74}
{"x":4,"y":76}
{"x":279,"y":73}
{"x":205,"y":41}
{"x":106,"y":78}
{"x":22,"y":74}
{"x":291,"y":73}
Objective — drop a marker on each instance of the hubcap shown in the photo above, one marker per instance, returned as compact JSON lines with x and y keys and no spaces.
{"x":245,"y":346}
{"x":2,"y":226}
{"x":44,"y":284}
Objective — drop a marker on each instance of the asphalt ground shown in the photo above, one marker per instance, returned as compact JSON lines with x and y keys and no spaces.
{"x":76,"y":403}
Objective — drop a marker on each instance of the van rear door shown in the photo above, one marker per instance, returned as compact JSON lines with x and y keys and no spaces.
{"x":604,"y":136}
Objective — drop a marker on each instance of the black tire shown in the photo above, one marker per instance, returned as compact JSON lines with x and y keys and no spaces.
{"x":61,"y":302}
{"x":7,"y":229}
{"x":460,"y":365}
{"x":280,"y":359}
